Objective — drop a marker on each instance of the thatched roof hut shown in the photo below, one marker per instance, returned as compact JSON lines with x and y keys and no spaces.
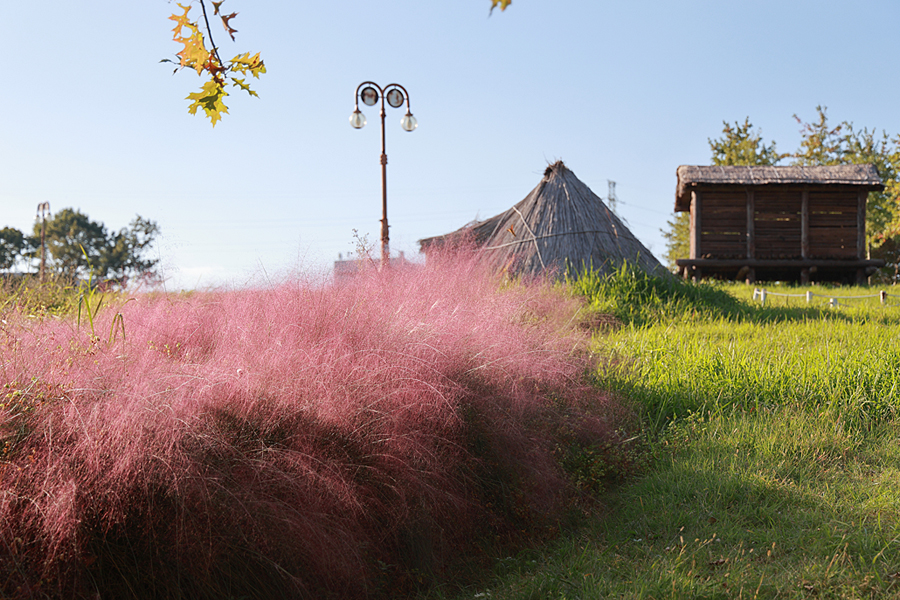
{"x":560,"y":225}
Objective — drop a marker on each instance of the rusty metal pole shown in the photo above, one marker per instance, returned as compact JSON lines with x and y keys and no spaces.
{"x":43,"y":210}
{"x":385,"y":236}
{"x":43,"y":251}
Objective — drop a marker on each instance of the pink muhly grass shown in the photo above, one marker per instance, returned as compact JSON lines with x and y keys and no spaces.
{"x":281,"y":442}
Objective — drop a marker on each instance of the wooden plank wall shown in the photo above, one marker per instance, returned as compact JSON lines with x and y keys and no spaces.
{"x":777,"y":223}
{"x":832,"y":224}
{"x":724,"y":224}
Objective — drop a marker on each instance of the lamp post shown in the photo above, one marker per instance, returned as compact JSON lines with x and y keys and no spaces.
{"x":43,"y":211}
{"x":396,"y":95}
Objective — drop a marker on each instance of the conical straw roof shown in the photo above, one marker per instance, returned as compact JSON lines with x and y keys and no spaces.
{"x":561,"y":225}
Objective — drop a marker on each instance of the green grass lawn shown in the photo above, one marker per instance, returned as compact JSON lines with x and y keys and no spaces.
{"x":774,"y":445}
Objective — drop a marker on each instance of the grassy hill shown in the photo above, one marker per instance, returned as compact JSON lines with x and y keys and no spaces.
{"x":775,"y":452}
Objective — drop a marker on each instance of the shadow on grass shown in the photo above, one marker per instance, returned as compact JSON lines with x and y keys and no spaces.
{"x":756,"y":506}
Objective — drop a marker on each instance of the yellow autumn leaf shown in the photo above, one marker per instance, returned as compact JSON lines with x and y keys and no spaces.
{"x":180,"y":20}
{"x":194,"y":53}
{"x":240,"y":83}
{"x":243,"y":63}
{"x":210,"y":100}
{"x":501,"y":3}
{"x":226,"y":21}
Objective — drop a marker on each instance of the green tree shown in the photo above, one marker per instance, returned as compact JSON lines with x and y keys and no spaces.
{"x":13,"y":245}
{"x":125,"y":254}
{"x":73,"y":242}
{"x":678,"y":238}
{"x":80,"y":248}
{"x":821,"y":144}
{"x":740,"y":144}
{"x":843,"y":145}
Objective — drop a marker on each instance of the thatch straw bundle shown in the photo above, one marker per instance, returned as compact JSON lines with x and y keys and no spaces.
{"x":561,"y":225}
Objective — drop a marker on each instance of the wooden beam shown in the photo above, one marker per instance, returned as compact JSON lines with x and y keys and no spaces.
{"x":751,"y":224}
{"x":695,"y":224}
{"x":804,"y":227}
{"x":779,"y":262}
{"x":861,"y":225}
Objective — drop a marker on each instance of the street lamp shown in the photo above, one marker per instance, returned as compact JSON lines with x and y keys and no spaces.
{"x":396,"y":95}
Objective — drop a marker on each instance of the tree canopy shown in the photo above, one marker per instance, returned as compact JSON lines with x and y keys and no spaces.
{"x":741,"y":145}
{"x":74,"y":242}
{"x":842,"y":145}
{"x":124,"y":256}
{"x":80,"y":248}
{"x":13,"y":244}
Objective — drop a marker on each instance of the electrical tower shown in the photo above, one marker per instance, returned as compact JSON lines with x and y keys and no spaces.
{"x":611,"y":199}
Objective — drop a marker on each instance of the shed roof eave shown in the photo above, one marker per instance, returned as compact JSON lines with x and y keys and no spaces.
{"x":863,"y":176}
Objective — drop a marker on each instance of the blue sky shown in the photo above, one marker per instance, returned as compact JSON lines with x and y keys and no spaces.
{"x":622,"y":91}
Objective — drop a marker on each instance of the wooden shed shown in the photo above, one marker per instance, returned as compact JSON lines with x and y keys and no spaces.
{"x":777,"y":223}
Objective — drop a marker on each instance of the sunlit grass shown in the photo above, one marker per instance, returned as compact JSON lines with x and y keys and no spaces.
{"x":711,"y":347}
{"x":27,"y":295}
{"x":852,"y":367}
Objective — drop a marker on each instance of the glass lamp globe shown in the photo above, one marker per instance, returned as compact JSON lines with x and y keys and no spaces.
{"x":395,"y":98}
{"x":369,"y":96}
{"x":408,"y":122}
{"x":357,"y":119}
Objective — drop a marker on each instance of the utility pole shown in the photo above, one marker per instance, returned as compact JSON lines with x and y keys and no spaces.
{"x":43,"y":211}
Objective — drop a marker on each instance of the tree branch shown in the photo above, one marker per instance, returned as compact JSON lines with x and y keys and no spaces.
{"x":212,"y":43}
